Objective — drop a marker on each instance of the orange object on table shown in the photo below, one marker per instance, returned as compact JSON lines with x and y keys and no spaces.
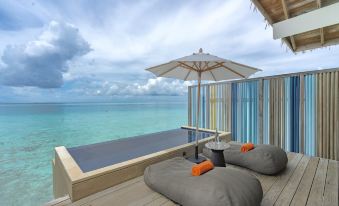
{"x":201,"y":168}
{"x":246,"y":147}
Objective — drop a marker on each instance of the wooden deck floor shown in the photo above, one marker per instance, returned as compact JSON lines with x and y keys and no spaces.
{"x":305,"y":181}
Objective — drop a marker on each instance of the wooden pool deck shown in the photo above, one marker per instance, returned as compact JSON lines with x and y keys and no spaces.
{"x":305,"y":181}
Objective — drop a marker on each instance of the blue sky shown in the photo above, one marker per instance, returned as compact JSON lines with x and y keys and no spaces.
{"x":57,"y":51}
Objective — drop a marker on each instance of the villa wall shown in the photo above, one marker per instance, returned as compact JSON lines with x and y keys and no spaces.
{"x":298,"y":112}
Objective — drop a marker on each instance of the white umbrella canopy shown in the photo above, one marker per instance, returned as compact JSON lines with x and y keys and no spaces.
{"x":202,"y":66}
{"x":210,"y":67}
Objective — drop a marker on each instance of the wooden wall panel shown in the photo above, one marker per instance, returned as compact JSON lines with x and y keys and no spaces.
{"x":189,"y":106}
{"x":327,"y":115}
{"x":260,"y":105}
{"x":302,"y":113}
{"x":336,"y":117}
{"x":286,"y":107}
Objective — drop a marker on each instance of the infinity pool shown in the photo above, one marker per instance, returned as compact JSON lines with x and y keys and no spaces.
{"x":95,"y":156}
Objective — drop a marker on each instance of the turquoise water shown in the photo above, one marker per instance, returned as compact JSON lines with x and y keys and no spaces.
{"x":29,"y":133}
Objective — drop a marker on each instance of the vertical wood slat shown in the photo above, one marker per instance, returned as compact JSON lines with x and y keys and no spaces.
{"x":211,"y":107}
{"x":302,"y":112}
{"x":331,"y":112}
{"x":223,"y":106}
{"x":274,"y":114}
{"x":320,"y":115}
{"x":189,"y":107}
{"x":282,"y":128}
{"x":261,"y":119}
{"x":326,"y":115}
{"x":271,"y":108}
{"x":328,"y":79}
{"x":229,"y":107}
{"x":317,"y":119}
{"x":317,"y":116}
{"x":278,"y":112}
{"x":336,"y":116}
{"x":283,"y":113}
{"x":323,"y":119}
{"x":208,"y":106}
{"x":215,"y":93}
{"x":278,"y":102}
{"x":322,"y":110}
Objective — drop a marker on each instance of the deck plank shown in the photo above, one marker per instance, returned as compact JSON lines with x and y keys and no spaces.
{"x":301,"y":195}
{"x":306,"y":180}
{"x":269,"y":180}
{"x":331,"y":185}
{"x":266,"y":181}
{"x":138,"y":194}
{"x":289,"y":190}
{"x":159,"y":201}
{"x":169,"y":203}
{"x":274,"y":192}
{"x":316,"y":194}
{"x":107,"y":192}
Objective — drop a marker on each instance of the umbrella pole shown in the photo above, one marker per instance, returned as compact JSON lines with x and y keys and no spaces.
{"x":197,"y":118}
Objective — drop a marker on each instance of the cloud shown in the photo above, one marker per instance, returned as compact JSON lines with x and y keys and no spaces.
{"x":128,"y":36}
{"x":154,"y":86}
{"x":42,"y":62}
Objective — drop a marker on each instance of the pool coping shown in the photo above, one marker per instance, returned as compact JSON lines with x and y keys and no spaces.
{"x":70,"y":180}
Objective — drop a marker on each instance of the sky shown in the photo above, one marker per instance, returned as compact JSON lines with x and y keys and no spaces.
{"x":66,"y":51}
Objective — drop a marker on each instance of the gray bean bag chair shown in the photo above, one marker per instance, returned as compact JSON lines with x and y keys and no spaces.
{"x":220,"y":186}
{"x":265,"y":159}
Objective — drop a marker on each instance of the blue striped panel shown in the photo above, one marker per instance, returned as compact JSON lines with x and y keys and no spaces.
{"x":245,"y":111}
{"x":266,"y":112}
{"x":234,"y":92}
{"x":287,"y":105}
{"x":294,"y":104}
{"x":309,"y":115}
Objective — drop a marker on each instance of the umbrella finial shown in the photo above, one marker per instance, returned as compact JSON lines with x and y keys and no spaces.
{"x":200,"y":50}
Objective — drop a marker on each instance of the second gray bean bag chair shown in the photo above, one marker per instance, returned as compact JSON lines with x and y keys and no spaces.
{"x":218,"y":187}
{"x":265,"y":159}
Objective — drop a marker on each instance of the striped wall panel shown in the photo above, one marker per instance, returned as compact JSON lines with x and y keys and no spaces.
{"x":310,"y":115}
{"x":299,"y":112}
{"x":245,"y":111}
{"x":327,"y":115}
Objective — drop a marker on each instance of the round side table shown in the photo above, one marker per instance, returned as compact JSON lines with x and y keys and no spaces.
{"x":217,"y":149}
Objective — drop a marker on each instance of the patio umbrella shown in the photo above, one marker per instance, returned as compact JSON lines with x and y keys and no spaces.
{"x":202,"y":66}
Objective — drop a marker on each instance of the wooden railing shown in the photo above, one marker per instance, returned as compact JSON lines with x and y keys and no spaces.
{"x":298,"y":112}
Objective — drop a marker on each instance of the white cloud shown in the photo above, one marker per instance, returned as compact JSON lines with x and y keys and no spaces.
{"x":154,"y":86}
{"x":129,"y":36}
{"x":42,"y":62}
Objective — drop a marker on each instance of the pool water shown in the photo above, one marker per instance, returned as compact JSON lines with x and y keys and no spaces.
{"x":95,"y":156}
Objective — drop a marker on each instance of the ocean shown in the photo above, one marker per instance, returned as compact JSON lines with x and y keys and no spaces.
{"x":29,"y":133}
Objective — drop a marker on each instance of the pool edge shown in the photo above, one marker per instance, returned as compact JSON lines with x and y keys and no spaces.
{"x":68,"y":178}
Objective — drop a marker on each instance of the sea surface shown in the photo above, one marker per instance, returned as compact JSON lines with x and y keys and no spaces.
{"x":29,"y":133}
